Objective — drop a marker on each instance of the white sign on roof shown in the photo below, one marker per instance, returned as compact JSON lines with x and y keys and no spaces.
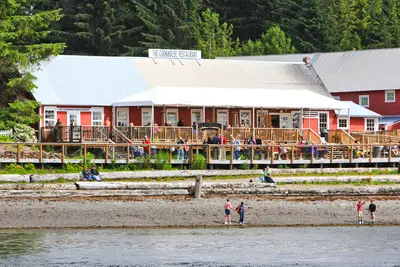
{"x":175,"y":54}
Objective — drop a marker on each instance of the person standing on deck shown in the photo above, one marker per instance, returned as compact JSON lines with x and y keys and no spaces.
{"x":228,"y":208}
{"x":360,"y":211}
{"x":372,"y":211}
{"x":240,"y":209}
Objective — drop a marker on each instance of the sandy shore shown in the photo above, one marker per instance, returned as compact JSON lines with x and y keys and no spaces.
{"x":177,"y":212}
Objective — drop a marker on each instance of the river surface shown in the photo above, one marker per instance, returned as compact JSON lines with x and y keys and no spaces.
{"x":321,"y":246}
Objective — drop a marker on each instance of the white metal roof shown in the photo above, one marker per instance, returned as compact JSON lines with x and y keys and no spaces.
{"x":231,"y":97}
{"x":91,"y":80}
{"x":357,"y":111}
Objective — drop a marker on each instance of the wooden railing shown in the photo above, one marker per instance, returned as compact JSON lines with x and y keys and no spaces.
{"x":340,"y":136}
{"x":214,"y":154}
{"x":77,"y":134}
{"x":311,"y":136}
{"x":377,"y":137}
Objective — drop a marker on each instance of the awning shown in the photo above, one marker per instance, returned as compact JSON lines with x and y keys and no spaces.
{"x":357,"y":111}
{"x":231,"y":98}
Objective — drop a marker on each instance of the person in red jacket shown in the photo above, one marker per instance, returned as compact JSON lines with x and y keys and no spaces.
{"x":360,"y":211}
{"x":146,"y":148}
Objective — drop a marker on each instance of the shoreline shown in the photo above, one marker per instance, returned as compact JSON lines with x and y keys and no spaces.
{"x":189,"y":213}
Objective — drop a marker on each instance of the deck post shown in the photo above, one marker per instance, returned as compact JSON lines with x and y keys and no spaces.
{"x":351,"y":154}
{"x":312,"y":154}
{"x":292,"y":157}
{"x":41,"y":153}
{"x":84,"y":154}
{"x":231,"y":159}
{"x":18,"y":152}
{"x":390,"y":153}
{"x":370,"y":153}
{"x":128,"y":152}
{"x":106,"y":153}
{"x":62,"y":154}
{"x":331,"y":156}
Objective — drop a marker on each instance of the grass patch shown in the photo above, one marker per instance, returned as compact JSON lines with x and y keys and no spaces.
{"x":362,"y":182}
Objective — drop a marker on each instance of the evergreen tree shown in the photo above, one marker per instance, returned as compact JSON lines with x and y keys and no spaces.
{"x":301,"y":21}
{"x":167,"y":23}
{"x":20,"y":51}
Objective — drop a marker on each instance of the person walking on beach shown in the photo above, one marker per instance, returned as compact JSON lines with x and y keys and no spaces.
{"x":240,"y":209}
{"x":228,"y":208}
{"x":360,"y":211}
{"x":372,"y":211}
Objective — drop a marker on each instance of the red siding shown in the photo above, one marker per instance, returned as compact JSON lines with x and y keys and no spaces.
{"x":62,"y":116}
{"x":135,"y":116}
{"x":376,"y":101}
{"x":357,"y":124}
{"x":86,"y":118}
{"x":395,"y":126}
{"x":311,"y":123}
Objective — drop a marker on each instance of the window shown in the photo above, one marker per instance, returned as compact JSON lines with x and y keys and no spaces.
{"x":244,"y":118}
{"x":222,"y":117}
{"x":390,"y":96}
{"x":364,"y":100}
{"x":97,"y":118}
{"x":49,"y":117}
{"x":262,"y":120}
{"x":342,"y":123}
{"x":197,"y":116}
{"x":74,"y":116}
{"x":336,"y":98}
{"x":122,"y":116}
{"x":172,"y":116}
{"x":146,"y":116}
{"x":323,"y":121}
{"x":370,"y":125}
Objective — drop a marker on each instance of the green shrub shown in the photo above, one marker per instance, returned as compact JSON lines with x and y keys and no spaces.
{"x":162,"y":161}
{"x":24,"y":133}
{"x":29,"y":167}
{"x":73,"y":167}
{"x":144,"y":162}
{"x":89,"y":161}
{"x":14,"y":168}
{"x":48,"y":148}
{"x":244,"y":166}
{"x":255,"y":167}
{"x":199,"y":162}
{"x":5,"y":139}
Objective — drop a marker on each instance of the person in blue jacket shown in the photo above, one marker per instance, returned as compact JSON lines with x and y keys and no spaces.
{"x":240,"y":209}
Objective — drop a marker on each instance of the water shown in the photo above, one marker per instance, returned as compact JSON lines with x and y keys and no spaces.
{"x":335,"y":246}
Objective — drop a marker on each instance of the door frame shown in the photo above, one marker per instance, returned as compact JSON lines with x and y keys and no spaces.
{"x":127,"y":117}
{"x":78,"y":121}
{"x":327,"y":121}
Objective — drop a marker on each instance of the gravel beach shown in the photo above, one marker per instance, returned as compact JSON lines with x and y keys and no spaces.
{"x":187,"y":212}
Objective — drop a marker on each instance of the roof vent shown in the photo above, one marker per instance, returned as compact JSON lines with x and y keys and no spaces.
{"x":307,"y":61}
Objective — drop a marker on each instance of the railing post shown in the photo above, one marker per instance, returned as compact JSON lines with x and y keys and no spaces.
{"x":312,"y":154}
{"x":351,"y":154}
{"x":331,"y":156}
{"x":272,"y":154}
{"x":84,"y":154}
{"x":292,"y":157}
{"x":390,"y":154}
{"x":370,"y":153}
{"x":18,"y":152}
{"x":106,"y":159}
{"x":231,"y":159}
{"x":169,"y":154}
{"x":62,"y":153}
{"x":40,"y":153}
{"x":128,"y":152}
{"x":208,"y":154}
{"x":252,"y":154}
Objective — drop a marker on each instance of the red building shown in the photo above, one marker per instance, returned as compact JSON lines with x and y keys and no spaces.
{"x":369,"y":78}
{"x":255,"y":94}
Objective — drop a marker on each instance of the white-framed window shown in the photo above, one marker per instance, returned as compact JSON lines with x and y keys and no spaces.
{"x":50,"y":116}
{"x":323,"y":121}
{"x":197,"y":116}
{"x":97,"y":116}
{"x":245,"y":118}
{"x":75,"y":117}
{"x":370,"y":125}
{"x":122,"y":116}
{"x":336,"y":97}
{"x":146,"y":116}
{"x":364,"y":100}
{"x":172,"y":116}
{"x":223,"y":116}
{"x":390,"y":96}
{"x":343,"y":123}
{"x":261,"y":119}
